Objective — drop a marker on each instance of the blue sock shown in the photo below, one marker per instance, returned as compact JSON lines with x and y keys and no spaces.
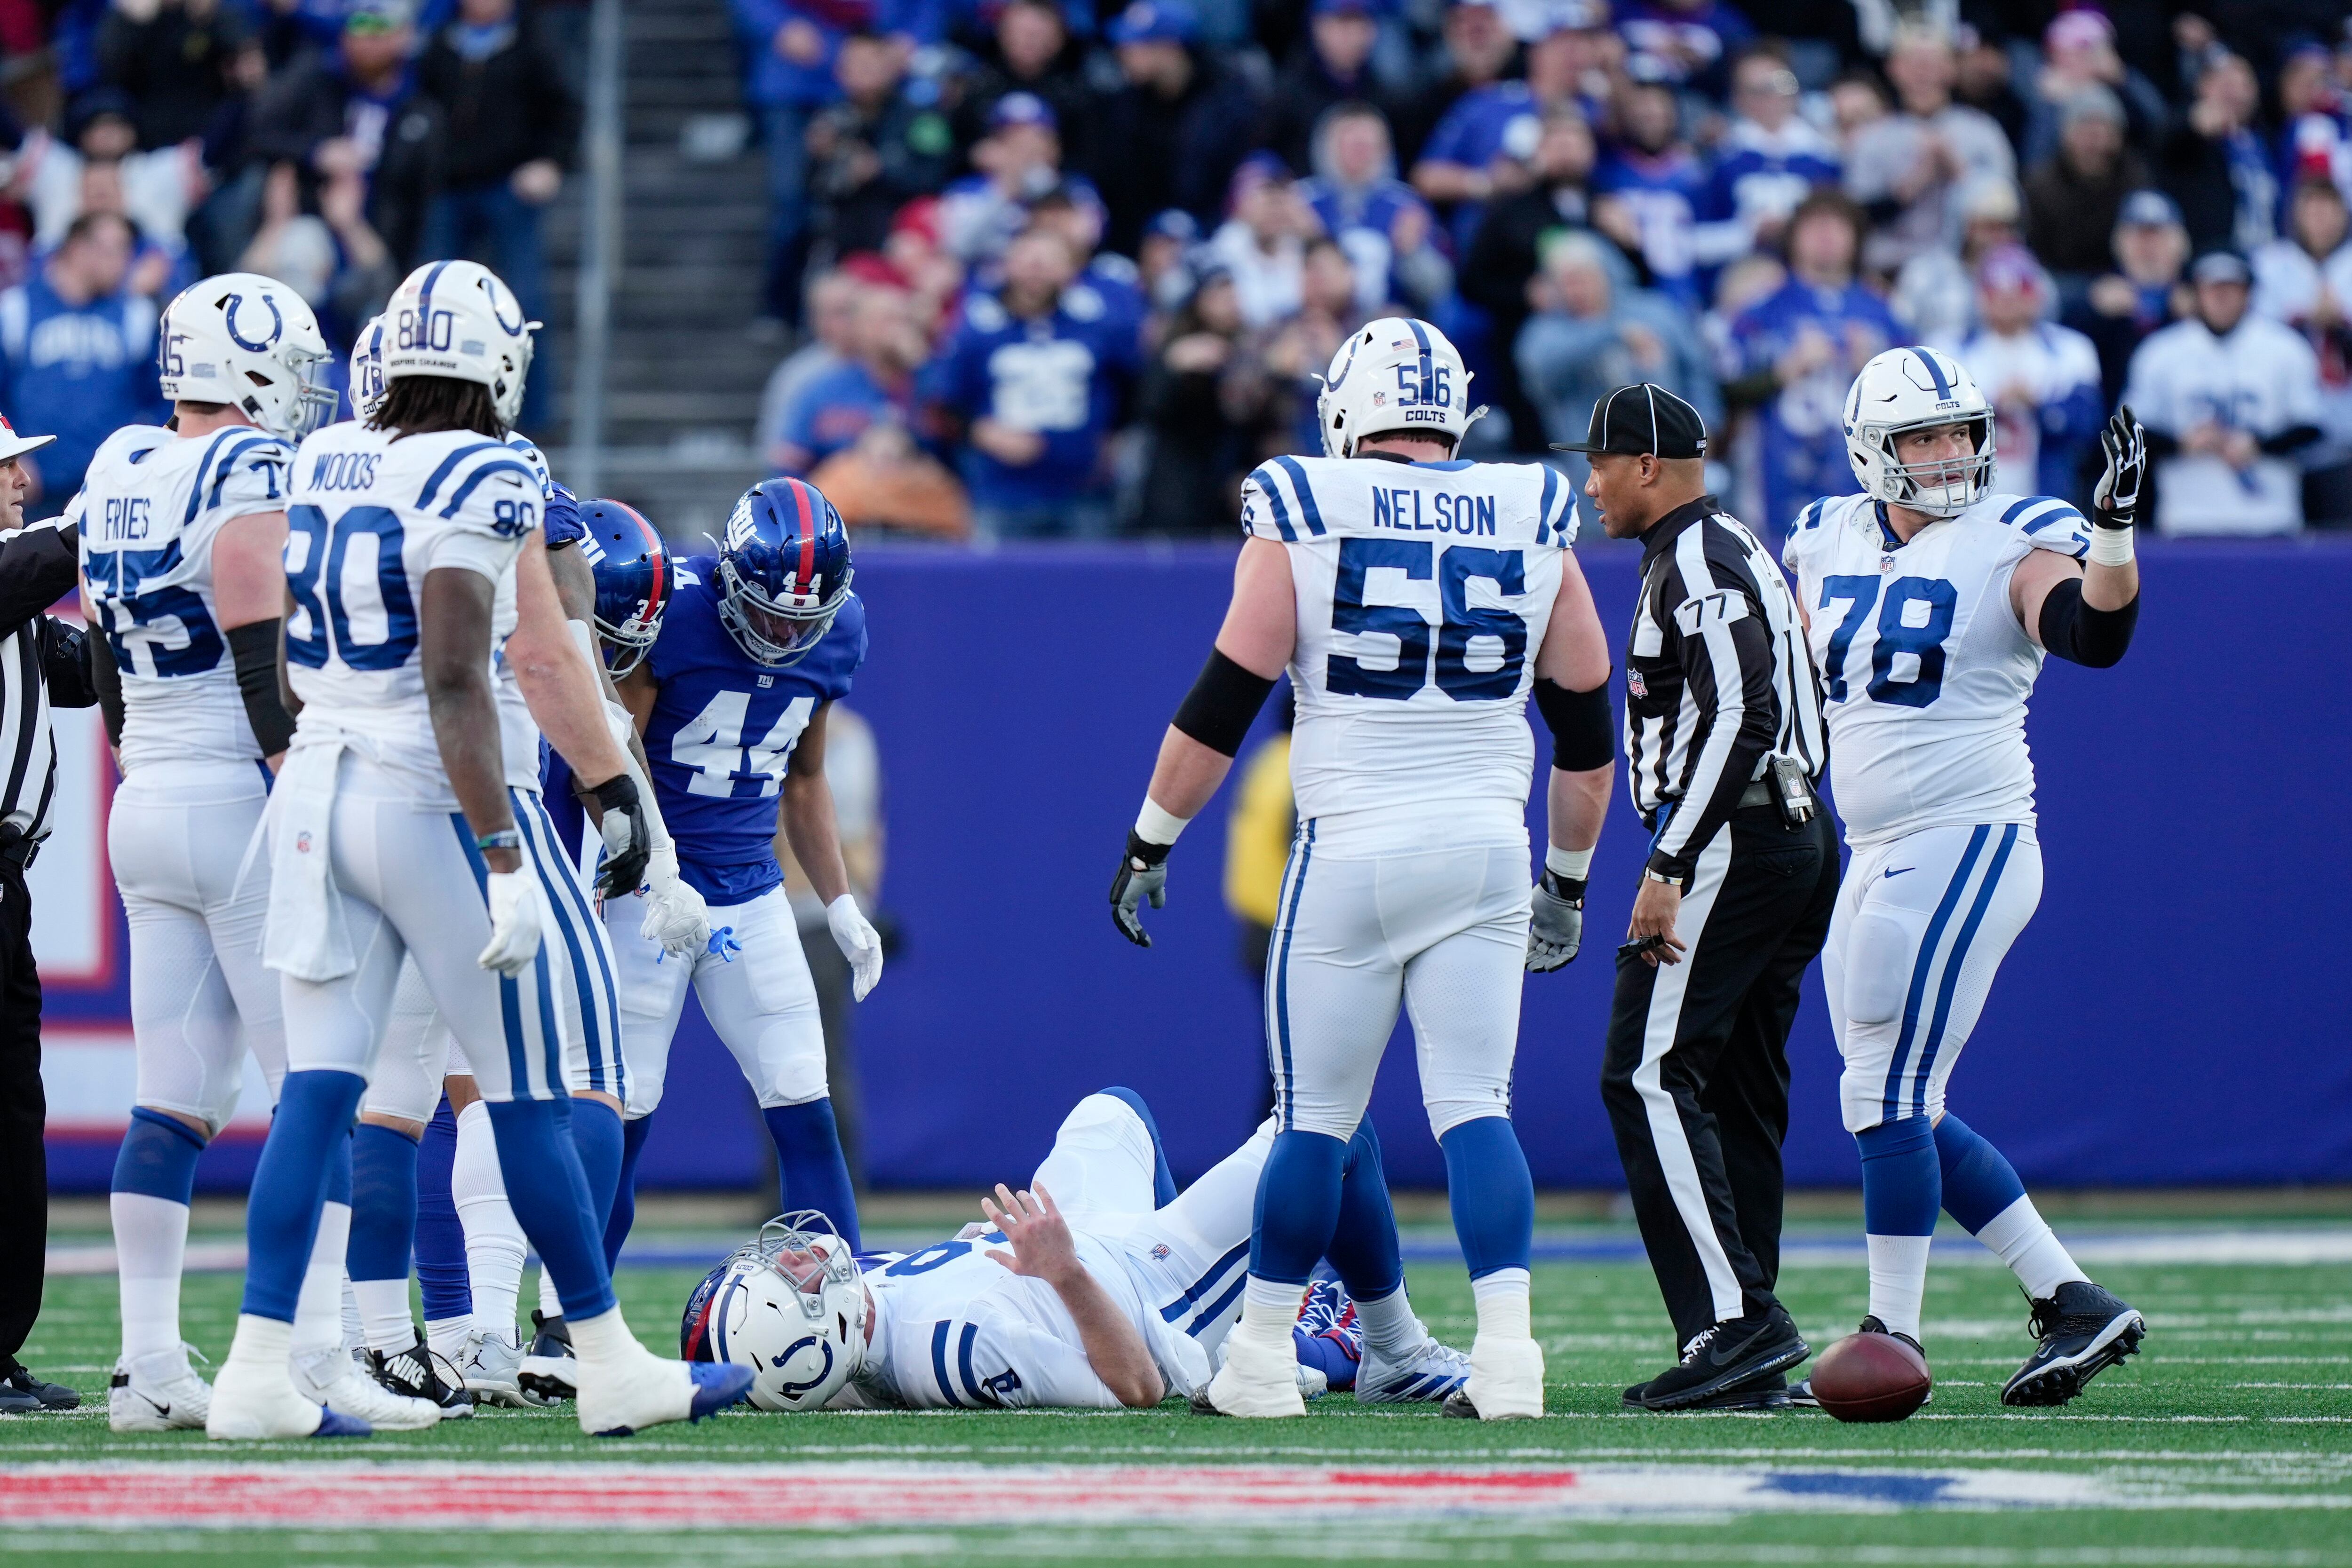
{"x":339,"y":1171}
{"x":1492,"y":1195}
{"x":625,"y":1190}
{"x":1163,"y":1180}
{"x":1901,"y":1186}
{"x":308,"y":1143}
{"x":1978,"y":1180}
{"x":1363,"y":1250}
{"x":550,"y":1197}
{"x":384,"y":1203}
{"x":440,"y":1237}
{"x":1298,"y":1197}
{"x":596,"y":1133}
{"x":1317,"y":1350}
{"x":159,"y":1157}
{"x":810,"y":1165}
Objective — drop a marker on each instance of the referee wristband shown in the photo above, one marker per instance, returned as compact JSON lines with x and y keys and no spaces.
{"x":1154,"y":825}
{"x":2111,"y":547}
{"x":504,"y":839}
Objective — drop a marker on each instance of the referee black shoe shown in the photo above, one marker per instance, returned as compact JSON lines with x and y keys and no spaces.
{"x":22,"y":1394}
{"x":1728,"y":1356}
{"x":1772,"y":1392}
{"x":2083,"y":1331}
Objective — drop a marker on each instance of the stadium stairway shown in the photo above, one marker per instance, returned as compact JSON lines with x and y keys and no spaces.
{"x":682,"y":384}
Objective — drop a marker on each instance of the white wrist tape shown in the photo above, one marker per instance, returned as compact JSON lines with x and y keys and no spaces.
{"x":1155,"y":826}
{"x":2111,"y":547}
{"x":1572,"y":864}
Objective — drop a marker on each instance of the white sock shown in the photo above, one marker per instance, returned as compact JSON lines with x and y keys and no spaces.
{"x":1503,"y":1309}
{"x":603,"y":1340}
{"x":494,"y":1246}
{"x":1270,"y":1309}
{"x":383,"y":1315}
{"x":354,"y":1325}
{"x":264,"y":1343}
{"x":1390,"y":1326}
{"x":550,"y":1305}
{"x":2021,"y":1239}
{"x":445,"y":1337}
{"x":150,"y":1246}
{"x":1898,"y":1281}
{"x":319,"y":1309}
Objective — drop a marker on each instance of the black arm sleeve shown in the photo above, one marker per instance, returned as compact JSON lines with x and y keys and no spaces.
{"x":254,"y":646}
{"x":2074,"y":631}
{"x":64,"y":663}
{"x":2294,"y":438}
{"x":107,"y":682}
{"x":1217,"y":711}
{"x":1583,"y":731}
{"x":36,"y":570}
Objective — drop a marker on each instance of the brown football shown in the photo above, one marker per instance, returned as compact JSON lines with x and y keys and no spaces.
{"x":1870,"y":1377}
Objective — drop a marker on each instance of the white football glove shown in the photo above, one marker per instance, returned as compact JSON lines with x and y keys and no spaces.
{"x":676,"y":918}
{"x":516,"y":919}
{"x":858,"y":941}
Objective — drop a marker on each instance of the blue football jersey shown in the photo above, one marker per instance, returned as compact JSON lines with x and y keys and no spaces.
{"x":723,"y":730}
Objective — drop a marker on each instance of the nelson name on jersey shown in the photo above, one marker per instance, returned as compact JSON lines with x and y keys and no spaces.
{"x":1414,"y":511}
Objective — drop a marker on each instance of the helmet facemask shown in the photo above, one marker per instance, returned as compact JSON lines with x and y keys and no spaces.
{"x":1940,"y":487}
{"x":775,"y":631}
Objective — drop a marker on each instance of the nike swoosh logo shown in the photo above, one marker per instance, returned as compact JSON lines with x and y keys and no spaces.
{"x":1898,"y":870}
{"x":162,"y":1407}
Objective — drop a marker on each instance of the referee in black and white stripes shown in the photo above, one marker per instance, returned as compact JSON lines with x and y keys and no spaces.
{"x":42,"y":664}
{"x":1724,"y":742}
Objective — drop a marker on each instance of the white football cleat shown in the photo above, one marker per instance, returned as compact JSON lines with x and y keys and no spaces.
{"x":334,"y":1380}
{"x":254,"y":1398}
{"x":157,"y":1393}
{"x":491,"y":1366}
{"x":1505,"y":1380}
{"x":645,"y":1390}
{"x":1425,"y":1374}
{"x":1257,"y":1380}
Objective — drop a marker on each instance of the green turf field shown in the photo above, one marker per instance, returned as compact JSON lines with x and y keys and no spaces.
{"x":2228,"y":1442}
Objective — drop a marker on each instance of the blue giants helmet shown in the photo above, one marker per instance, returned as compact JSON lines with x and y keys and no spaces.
{"x":783,"y":570}
{"x":632,"y":567}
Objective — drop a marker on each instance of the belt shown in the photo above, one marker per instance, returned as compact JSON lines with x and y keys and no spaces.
{"x":16,"y":853}
{"x":1757,"y":793}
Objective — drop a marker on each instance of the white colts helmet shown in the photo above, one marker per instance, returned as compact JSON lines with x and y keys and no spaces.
{"x":250,"y":342}
{"x":368,"y":385}
{"x":1395,"y":376}
{"x":455,"y":318}
{"x":1912,"y":389}
{"x":791,"y":1307}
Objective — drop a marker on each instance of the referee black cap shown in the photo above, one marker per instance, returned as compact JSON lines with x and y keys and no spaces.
{"x":1642,"y":418}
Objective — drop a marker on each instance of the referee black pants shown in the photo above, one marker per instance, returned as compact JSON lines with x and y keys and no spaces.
{"x":24,"y":1164}
{"x":1696,"y":1075}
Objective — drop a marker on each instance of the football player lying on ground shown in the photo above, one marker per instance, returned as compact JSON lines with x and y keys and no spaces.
{"x":1097,"y":1287}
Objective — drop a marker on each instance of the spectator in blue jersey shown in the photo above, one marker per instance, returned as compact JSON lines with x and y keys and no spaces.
{"x":1385,"y":229}
{"x":1481,"y":149}
{"x":790,"y":46}
{"x":1477,"y":49}
{"x":2042,"y":379}
{"x":78,"y":353}
{"x":1684,"y":43}
{"x":1030,"y":51}
{"x":874,"y":385}
{"x":1769,"y":160}
{"x":1017,"y":162}
{"x":1592,"y":335}
{"x":1805,"y":344}
{"x":1651,"y":171}
{"x":1176,"y":128}
{"x":1035,"y":371}
{"x":2216,"y":166}
{"x":1332,"y":67}
{"x":1077,"y":217}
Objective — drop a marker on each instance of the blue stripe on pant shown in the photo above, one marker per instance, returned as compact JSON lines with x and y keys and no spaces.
{"x":1923,"y":967}
{"x":1279,"y":993}
{"x":1952,"y":966}
{"x":591,"y":963}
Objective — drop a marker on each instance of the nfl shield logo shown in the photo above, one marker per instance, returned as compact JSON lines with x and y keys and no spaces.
{"x":1634,"y":683}
{"x":1160,"y":1251}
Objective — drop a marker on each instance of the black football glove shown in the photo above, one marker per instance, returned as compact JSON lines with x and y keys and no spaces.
{"x":1142,"y":875}
{"x":1556,"y":926}
{"x":628,"y":844}
{"x":2114,"y":500}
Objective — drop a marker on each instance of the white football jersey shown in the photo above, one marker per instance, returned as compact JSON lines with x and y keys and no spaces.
{"x":149,"y":509}
{"x":2263,"y":379}
{"x":1924,"y":670}
{"x":1423,"y":592}
{"x":372,"y":515}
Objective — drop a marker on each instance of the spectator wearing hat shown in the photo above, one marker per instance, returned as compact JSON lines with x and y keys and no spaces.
{"x":2078,"y":56}
{"x":1332,"y":67}
{"x":1167,"y":262}
{"x":2229,"y":398}
{"x":1035,"y":373}
{"x":2042,"y":378}
{"x":1262,"y":247}
{"x":1477,"y":49}
{"x":1683,"y":43}
{"x":874,"y":151}
{"x":2072,"y":195}
{"x":2143,"y":292}
{"x":1770,"y":159}
{"x":1387,"y":230}
{"x":1588,"y":335}
{"x":1935,"y":293}
{"x":1018,"y":163}
{"x":1908,"y":168}
{"x":2215,"y":165}
{"x":2304,"y":281}
{"x":1175,"y":129}
{"x":77,"y":349}
{"x":1030,"y":51}
{"x":1650,"y":169}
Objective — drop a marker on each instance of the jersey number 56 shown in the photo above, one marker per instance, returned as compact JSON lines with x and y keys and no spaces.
{"x":1503,"y":633}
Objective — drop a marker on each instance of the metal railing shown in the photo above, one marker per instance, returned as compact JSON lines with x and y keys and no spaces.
{"x":600,"y":246}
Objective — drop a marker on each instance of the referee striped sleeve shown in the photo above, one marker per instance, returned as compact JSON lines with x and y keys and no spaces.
{"x":1728,"y":671}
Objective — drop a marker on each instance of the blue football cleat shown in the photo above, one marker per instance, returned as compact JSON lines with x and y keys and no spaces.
{"x":333,"y":1423}
{"x":718,"y":1384}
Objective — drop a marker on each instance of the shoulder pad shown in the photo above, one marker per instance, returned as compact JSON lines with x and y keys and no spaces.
{"x":2047,"y":522}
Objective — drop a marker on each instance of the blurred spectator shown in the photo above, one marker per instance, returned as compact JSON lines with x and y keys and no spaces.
{"x":1653,"y":174}
{"x":1031,"y":52}
{"x":339,"y":265}
{"x":1683,"y":43}
{"x":1935,"y":293}
{"x":2042,"y":378}
{"x":1387,"y":231}
{"x":1175,"y":129}
{"x":2305,"y":281}
{"x":2072,"y":195}
{"x":872,"y":384}
{"x":2145,"y":292}
{"x":933,"y":277}
{"x":1164,"y":262}
{"x":1277,"y":377}
{"x":2214,"y":165}
{"x":1480,"y":150}
{"x":182,"y":63}
{"x":1800,"y":348}
{"x":1018,"y":161}
{"x":1332,"y":69}
{"x":1983,"y":80}
{"x":874,"y":151}
{"x":155,"y":190}
{"x":1591,"y":334}
{"x":2078,"y":53}
{"x":1192,"y":481}
{"x":1769,"y":160}
{"x":511,"y":123}
{"x":1073,"y":213}
{"x":2227,"y":397}
{"x":1036,"y":369}
{"x":77,"y":354}
{"x":831,"y":312}
{"x":2316,"y":119}
{"x":1908,"y":168}
{"x":791,"y":45}
{"x":1478,"y":49}
{"x":353,"y":110}
{"x":1262,"y":247}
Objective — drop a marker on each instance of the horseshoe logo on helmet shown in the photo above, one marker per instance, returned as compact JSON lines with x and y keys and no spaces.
{"x":490,"y":291}
{"x":790,"y":1390}
{"x":229,"y":308}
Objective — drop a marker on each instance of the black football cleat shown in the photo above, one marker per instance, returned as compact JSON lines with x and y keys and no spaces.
{"x":2083,"y":1331}
{"x":547,"y":1369}
{"x":1728,"y":1356}
{"x":22,"y":1394}
{"x":413,"y":1374}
